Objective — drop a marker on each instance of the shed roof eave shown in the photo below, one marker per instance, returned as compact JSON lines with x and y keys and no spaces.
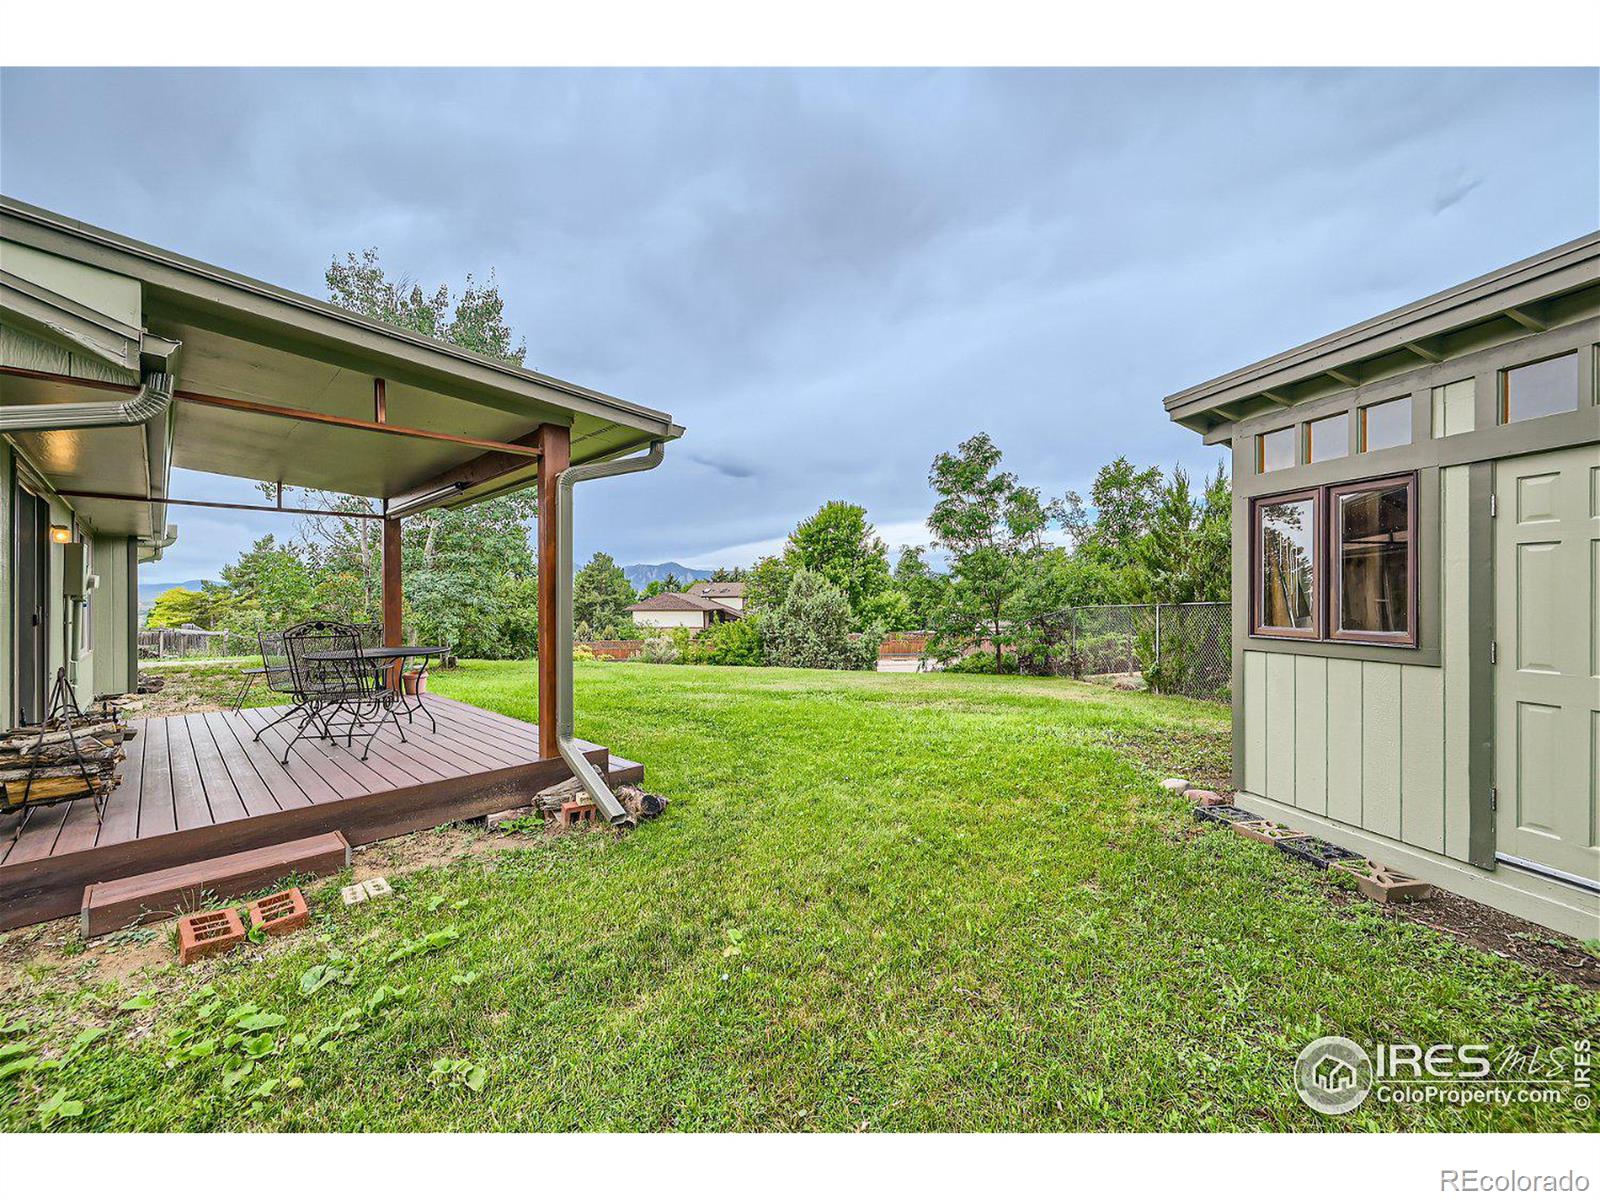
{"x":1565,"y":268}
{"x":249,"y":300}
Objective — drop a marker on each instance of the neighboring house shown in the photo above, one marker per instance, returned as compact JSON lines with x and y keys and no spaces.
{"x":1416,"y":573}
{"x":681,"y":610}
{"x":731,"y":595}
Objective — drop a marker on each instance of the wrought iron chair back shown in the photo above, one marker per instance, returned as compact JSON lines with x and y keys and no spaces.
{"x":324,"y":680}
{"x":275,"y":662}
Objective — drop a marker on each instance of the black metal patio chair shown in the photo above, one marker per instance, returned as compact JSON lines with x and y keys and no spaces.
{"x":279,"y":678}
{"x":333,"y":680}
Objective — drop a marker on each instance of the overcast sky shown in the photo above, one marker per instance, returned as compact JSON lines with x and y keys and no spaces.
{"x":829,"y":276}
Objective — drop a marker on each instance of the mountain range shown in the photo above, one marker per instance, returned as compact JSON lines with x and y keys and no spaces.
{"x":641,"y":575}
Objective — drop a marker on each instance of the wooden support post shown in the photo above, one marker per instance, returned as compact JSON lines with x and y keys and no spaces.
{"x":393,"y":595}
{"x":393,"y":589}
{"x":555,"y":452}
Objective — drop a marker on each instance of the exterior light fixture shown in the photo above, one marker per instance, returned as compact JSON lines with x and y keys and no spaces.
{"x":61,"y":535}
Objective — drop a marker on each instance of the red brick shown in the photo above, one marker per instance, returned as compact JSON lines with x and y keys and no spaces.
{"x":281,"y":912}
{"x":207,"y":933}
{"x":577,"y":812}
{"x":1203,"y":796}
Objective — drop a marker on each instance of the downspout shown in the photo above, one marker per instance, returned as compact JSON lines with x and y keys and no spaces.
{"x":581,"y":767}
{"x":152,"y":400}
{"x":150,"y":406}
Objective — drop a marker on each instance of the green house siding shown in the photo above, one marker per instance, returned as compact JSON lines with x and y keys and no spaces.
{"x":7,"y":667}
{"x":110,"y":608}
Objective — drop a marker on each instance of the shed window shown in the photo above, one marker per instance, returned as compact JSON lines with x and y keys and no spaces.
{"x":1540,"y":389}
{"x":1373,"y":553}
{"x":1386,"y":424}
{"x":1328,"y":437}
{"x":1275,"y":450}
{"x":1285,"y":550}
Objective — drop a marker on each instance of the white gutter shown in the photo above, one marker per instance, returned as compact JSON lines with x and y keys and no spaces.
{"x":149,"y":406}
{"x":152,"y":400}
{"x":591,"y":779}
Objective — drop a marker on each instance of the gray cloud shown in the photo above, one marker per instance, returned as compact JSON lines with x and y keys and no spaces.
{"x":829,"y":276}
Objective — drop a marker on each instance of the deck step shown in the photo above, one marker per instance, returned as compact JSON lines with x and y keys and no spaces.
{"x":156,"y":895}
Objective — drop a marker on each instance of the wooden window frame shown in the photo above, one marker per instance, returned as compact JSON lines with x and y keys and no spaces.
{"x":1257,"y":629}
{"x":1306,"y":444}
{"x":1503,"y":397}
{"x":1337,"y":491}
{"x":1261,"y":445}
{"x":1361,"y":423}
{"x":1326,"y":579}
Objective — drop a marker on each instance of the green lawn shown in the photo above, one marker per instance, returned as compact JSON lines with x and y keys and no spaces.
{"x":882,"y":902}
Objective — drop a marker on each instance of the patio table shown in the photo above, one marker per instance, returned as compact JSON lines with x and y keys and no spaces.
{"x":410,"y":705}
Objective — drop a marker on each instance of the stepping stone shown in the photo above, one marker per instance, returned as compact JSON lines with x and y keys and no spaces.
{"x":1175,"y":785}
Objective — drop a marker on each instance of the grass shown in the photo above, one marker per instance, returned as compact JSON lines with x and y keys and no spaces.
{"x":877,"y":902}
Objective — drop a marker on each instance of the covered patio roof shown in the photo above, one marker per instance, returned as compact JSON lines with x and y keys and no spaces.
{"x":267,"y":385}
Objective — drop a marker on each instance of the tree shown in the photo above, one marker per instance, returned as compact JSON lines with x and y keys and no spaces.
{"x":1185,"y":554}
{"x":993,"y":528}
{"x":813,"y":627}
{"x":727,"y":575}
{"x":601,"y":594}
{"x":671,"y":585}
{"x":174,"y":607}
{"x":922,"y":587}
{"x":1125,"y":500}
{"x":477,"y":322}
{"x":840,"y":544}
{"x":767,"y":584}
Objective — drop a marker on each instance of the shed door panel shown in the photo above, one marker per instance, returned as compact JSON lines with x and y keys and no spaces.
{"x":1547,"y":675}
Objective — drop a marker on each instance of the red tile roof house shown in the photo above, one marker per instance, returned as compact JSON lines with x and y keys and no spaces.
{"x":682,"y":610}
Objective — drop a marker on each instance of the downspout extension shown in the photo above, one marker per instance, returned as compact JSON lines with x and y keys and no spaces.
{"x":152,"y":400}
{"x":581,"y":767}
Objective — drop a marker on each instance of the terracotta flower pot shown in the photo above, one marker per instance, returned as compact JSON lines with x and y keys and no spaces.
{"x":415,"y":683}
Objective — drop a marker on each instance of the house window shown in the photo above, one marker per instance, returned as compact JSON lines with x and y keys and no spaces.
{"x":1453,"y":408}
{"x":1539,"y":389}
{"x":1328,"y":437}
{"x":1285,"y":555}
{"x":1386,"y":424}
{"x":1274,"y":450}
{"x":1373,"y":559}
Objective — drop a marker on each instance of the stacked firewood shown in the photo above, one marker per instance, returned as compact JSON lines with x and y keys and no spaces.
{"x":50,"y":764}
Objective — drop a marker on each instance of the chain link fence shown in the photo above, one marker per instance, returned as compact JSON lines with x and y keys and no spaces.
{"x":1185,"y":649}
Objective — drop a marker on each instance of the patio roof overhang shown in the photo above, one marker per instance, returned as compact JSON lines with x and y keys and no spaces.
{"x":273,"y":386}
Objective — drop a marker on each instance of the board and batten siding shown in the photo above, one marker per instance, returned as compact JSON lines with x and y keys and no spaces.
{"x":108,"y":609}
{"x":1380,"y":746}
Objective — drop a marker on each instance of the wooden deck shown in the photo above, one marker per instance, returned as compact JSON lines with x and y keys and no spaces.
{"x":198,"y":785}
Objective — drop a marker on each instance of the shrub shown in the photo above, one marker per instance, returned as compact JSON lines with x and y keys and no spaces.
{"x":659,"y":650}
{"x":811,"y":628}
{"x":730,"y":644}
{"x":980,"y":662}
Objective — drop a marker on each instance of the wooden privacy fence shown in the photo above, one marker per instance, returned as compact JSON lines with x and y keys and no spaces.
{"x":616,"y":650}
{"x":183,"y":643}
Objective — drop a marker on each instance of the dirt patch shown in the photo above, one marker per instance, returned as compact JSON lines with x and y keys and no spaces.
{"x":1491,"y":930}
